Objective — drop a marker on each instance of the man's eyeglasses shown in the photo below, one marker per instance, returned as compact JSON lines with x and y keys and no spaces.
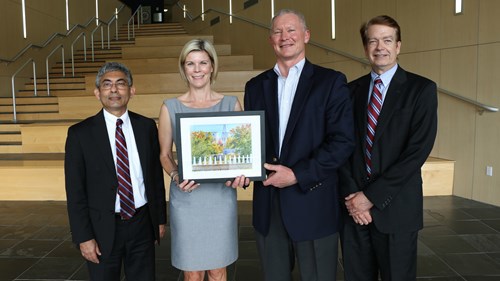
{"x":121,"y":85}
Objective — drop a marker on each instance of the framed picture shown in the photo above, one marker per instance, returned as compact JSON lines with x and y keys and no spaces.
{"x":219,"y":146}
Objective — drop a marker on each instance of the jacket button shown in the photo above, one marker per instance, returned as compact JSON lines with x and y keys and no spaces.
{"x":275,"y":159}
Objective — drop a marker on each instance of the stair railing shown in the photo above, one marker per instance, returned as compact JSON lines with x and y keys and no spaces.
{"x":13,"y":84}
{"x":73,"y":54}
{"x":132,"y":19}
{"x":61,"y":46}
{"x":99,"y":26}
{"x":481,"y":107}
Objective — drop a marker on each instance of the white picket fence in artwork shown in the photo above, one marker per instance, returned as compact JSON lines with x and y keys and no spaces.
{"x":222,"y":159}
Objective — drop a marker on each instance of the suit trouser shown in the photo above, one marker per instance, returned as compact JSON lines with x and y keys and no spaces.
{"x":133,"y":246}
{"x":367,"y":253}
{"x":317,"y":259}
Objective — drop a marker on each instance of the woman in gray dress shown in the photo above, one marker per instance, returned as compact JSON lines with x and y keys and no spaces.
{"x":203,"y":217}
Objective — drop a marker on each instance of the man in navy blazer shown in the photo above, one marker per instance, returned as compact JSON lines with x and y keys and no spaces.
{"x":309,"y":135}
{"x":106,"y":236}
{"x":382,"y":186}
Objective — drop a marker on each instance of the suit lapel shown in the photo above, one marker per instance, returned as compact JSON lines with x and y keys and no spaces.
{"x":361,"y":104}
{"x":141,"y":139}
{"x":301,"y":94}
{"x":270,"y":91}
{"x":394,"y":94}
{"x":99,"y":133}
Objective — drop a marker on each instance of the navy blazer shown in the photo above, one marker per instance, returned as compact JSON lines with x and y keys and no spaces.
{"x":404,"y":138}
{"x":318,"y":140}
{"x":91,"y":181}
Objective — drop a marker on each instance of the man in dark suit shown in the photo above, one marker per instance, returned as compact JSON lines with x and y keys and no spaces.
{"x":396,"y":124}
{"x":114,"y":183}
{"x":309,"y":135}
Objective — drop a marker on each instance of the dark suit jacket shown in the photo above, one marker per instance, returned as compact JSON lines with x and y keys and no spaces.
{"x":318,"y":140}
{"x":91,"y":181}
{"x":404,"y":138}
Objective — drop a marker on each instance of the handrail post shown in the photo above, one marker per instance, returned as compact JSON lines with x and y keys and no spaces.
{"x":14,"y":111}
{"x":47,"y":66}
{"x":72,"y":51}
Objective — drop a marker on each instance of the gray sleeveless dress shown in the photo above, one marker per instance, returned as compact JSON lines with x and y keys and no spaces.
{"x":203,"y":223}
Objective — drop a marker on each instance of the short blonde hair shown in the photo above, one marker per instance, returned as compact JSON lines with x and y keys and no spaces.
{"x":198,"y":45}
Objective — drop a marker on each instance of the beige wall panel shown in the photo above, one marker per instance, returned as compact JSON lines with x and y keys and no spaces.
{"x":489,"y":25}
{"x":487,"y":154}
{"x":456,"y":141}
{"x":370,"y":8}
{"x":427,"y":64}
{"x":488,"y":131}
{"x":459,"y":71}
{"x":349,"y":19}
{"x":459,"y":30}
{"x":419,"y":33}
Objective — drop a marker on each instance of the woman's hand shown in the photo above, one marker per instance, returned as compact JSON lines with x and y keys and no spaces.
{"x":239,"y":181}
{"x":187,"y":185}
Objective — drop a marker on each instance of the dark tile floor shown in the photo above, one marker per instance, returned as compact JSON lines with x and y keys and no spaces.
{"x":460,"y":241}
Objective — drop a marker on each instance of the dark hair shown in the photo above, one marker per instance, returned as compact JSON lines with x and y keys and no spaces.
{"x":113,"y":66}
{"x":379,"y":20}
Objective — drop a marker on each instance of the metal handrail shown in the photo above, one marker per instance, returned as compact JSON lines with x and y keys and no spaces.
{"x":13,"y":85}
{"x":49,"y":40}
{"x":132,"y":18}
{"x":92,"y":37}
{"x":61,"y":46}
{"x":72,"y":51}
{"x":480,"y":106}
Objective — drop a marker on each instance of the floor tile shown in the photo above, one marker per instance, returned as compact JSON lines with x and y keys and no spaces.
{"x":53,"y":268}
{"x":495,"y":224}
{"x":483,"y":213}
{"x":31,"y":249}
{"x":12,"y":268}
{"x":470,"y":227}
{"x":448,"y":244}
{"x":487,"y":243}
{"x":472,"y":264}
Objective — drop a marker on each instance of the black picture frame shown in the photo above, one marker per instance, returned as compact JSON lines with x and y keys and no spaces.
{"x":219,"y":146}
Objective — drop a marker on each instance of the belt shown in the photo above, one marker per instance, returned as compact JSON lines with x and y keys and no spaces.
{"x":137,"y":212}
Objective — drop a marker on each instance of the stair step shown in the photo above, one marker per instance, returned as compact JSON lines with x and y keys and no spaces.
{"x":56,"y":86}
{"x":29,"y":100}
{"x":10,"y":128}
{"x":67,"y":79}
{"x":55,"y":93}
{"x":20,"y":108}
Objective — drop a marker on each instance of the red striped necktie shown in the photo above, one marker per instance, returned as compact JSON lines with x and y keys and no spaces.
{"x":374,"y":107}
{"x":125,"y":191}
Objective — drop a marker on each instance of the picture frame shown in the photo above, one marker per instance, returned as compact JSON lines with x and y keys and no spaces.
{"x":219,"y":146}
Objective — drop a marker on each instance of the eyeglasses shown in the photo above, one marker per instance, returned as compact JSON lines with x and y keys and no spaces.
{"x":121,"y":85}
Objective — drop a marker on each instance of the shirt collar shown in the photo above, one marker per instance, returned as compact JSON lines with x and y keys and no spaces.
{"x":110,"y":118}
{"x":386,"y":77}
{"x":298,"y":67}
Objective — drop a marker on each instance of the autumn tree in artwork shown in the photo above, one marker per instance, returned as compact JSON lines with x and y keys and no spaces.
{"x":240,"y":139}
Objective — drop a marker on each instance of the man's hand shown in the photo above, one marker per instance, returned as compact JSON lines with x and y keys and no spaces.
{"x":90,"y":250}
{"x":163,"y":228}
{"x":280,"y":176}
{"x":359,"y":207}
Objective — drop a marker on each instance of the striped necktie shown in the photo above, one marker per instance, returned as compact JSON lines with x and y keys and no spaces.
{"x":374,"y":107}
{"x":125,"y":191}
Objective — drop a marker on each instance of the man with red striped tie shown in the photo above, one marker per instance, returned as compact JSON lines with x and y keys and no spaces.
{"x":395,"y":117}
{"x":114,"y":183}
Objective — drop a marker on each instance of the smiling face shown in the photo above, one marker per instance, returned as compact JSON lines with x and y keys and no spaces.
{"x":382,"y":47}
{"x":289,"y":37}
{"x":114,"y":92}
{"x":198,"y":69}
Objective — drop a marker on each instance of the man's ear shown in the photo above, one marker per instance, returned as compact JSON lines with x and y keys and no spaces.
{"x":97,"y":93}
